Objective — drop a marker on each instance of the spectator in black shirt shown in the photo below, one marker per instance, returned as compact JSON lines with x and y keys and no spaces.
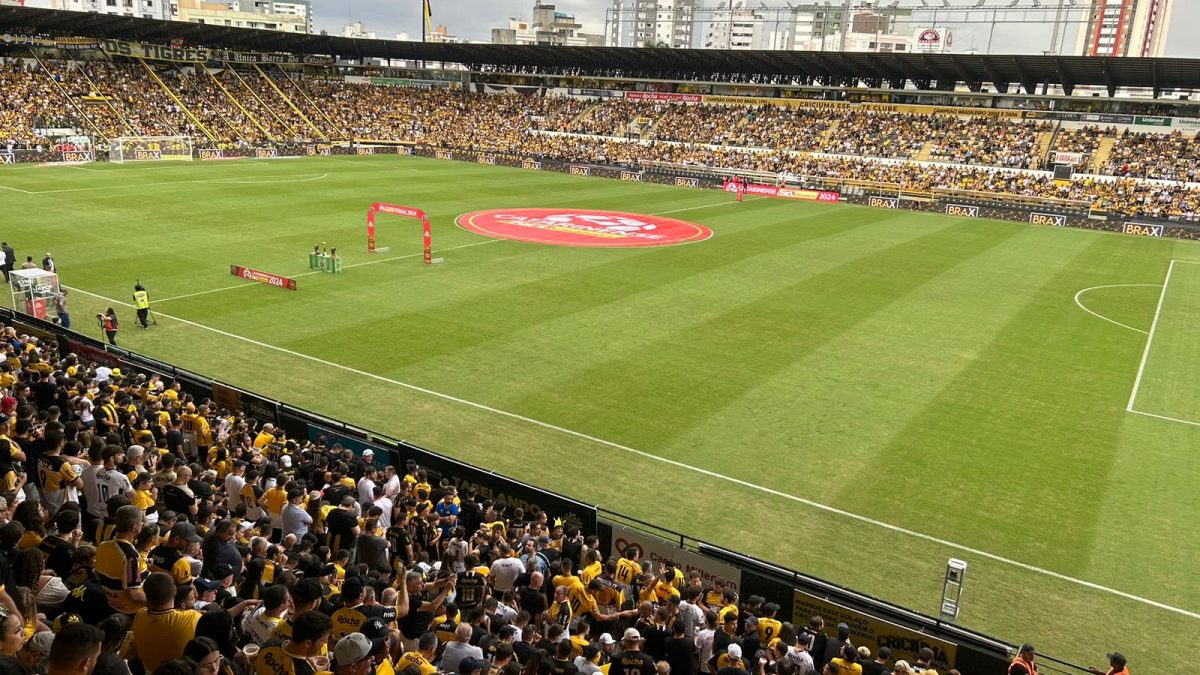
{"x":835,"y":647}
{"x":342,"y":526}
{"x":680,"y":651}
{"x":58,"y":546}
{"x":879,"y":666}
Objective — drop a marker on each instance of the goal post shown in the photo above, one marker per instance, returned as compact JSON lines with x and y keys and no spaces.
{"x":397,"y":210}
{"x":150,"y":149}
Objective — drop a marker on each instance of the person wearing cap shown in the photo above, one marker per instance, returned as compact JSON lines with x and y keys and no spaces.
{"x":924,"y":657}
{"x":731,"y":659}
{"x":35,"y":650}
{"x":879,"y":665}
{"x":310,"y":633}
{"x":631,"y":660}
{"x":1116,"y":665}
{"x":1025,"y":662}
{"x":206,"y":591}
{"x":170,"y":557}
{"x":355,"y":653}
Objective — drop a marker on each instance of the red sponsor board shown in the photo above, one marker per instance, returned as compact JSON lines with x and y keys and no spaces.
{"x":657,"y":96}
{"x":786,"y":192}
{"x":263,"y":277}
{"x":583,"y":227}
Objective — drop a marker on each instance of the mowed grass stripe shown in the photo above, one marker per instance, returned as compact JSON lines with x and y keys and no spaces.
{"x":844,"y":402}
{"x":751,"y":341}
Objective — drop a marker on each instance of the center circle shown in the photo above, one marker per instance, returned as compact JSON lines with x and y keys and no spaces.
{"x":582,"y":227}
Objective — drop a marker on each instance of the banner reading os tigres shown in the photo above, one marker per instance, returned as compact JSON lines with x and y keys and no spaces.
{"x":153,"y":52}
{"x":874,"y":632}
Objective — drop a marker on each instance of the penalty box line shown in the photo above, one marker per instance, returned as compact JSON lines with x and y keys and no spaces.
{"x":681,"y":465}
{"x":1137,"y":383}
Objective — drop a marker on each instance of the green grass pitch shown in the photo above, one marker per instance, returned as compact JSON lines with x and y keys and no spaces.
{"x":933,"y":376}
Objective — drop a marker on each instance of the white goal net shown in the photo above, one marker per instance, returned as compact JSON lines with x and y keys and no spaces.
{"x":150,"y":149}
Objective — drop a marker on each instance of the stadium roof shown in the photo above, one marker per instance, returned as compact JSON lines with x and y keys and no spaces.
{"x":925,"y":71}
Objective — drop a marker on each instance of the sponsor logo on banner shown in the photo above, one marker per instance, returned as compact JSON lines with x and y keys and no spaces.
{"x":531,"y":165}
{"x":875,"y":633}
{"x":318,"y":150}
{"x":1143,"y":229}
{"x":444,"y":154}
{"x":658,"y":551}
{"x":962,"y":211}
{"x":364,"y":150}
{"x":77,"y":156}
{"x":407,"y":152}
{"x":147,"y":155}
{"x":1073,"y":158}
{"x":657,"y":96}
{"x":265,"y":153}
{"x":1057,"y":220}
{"x":212,"y":153}
{"x":232,"y":398}
{"x":1152,"y":121}
{"x":810,"y":195}
{"x":580,"y":170}
{"x":486,"y":159}
{"x":263,"y":277}
{"x":582,"y":227}
{"x":86,"y":352}
{"x":632,"y":176}
{"x":7,"y":158}
{"x":395,"y":210}
{"x":155,"y":52}
{"x":687,"y":182}
{"x":884,"y":202}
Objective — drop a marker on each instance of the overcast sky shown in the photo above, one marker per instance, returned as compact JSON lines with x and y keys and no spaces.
{"x":474,"y":19}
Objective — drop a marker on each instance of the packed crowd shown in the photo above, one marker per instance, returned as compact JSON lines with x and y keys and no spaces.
{"x":145,"y":530}
{"x":240,"y":109}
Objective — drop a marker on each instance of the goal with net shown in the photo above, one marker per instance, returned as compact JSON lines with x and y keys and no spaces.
{"x":150,"y":149}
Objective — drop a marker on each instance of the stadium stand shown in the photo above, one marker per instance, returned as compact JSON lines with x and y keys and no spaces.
{"x":243,"y":108}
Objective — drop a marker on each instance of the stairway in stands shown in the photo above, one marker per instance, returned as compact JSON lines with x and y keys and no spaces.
{"x":1102,"y":153}
{"x":925,"y":154}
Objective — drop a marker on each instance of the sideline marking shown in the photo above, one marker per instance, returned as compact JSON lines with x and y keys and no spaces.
{"x":706,"y":472}
{"x":1101,"y":316}
{"x":1164,"y":417}
{"x":27,"y":192}
{"x":1137,"y":383}
{"x":253,"y":180}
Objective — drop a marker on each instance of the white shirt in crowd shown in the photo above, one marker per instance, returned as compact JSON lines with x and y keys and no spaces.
{"x":233,"y":488}
{"x":366,"y":490}
{"x":704,"y":641}
{"x":504,"y":573}
{"x":385,"y":521}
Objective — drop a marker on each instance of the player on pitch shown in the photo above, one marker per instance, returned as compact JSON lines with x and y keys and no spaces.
{"x":741,"y":187}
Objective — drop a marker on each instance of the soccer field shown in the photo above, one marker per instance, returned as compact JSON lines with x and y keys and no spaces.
{"x":857,"y":393}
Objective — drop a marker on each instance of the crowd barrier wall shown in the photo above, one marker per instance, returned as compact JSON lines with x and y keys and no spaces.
{"x":873,"y":622}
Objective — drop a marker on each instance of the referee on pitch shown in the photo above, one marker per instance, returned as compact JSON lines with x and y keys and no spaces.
{"x":141,"y":301}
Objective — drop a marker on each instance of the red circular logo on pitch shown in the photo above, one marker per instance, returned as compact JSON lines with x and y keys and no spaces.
{"x":583,"y":227}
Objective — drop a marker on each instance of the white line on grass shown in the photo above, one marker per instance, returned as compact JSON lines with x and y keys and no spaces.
{"x":1137,"y":383}
{"x":1101,"y":316}
{"x":18,"y":190}
{"x":688,"y":467}
{"x":1164,"y":417}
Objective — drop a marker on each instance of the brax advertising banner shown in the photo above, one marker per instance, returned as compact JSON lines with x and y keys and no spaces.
{"x":1054,"y":219}
{"x":659,"y":550}
{"x":873,"y":632}
{"x":1143,"y":229}
{"x":962,"y":211}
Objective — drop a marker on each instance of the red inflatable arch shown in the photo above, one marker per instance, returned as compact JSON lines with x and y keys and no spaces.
{"x":396,"y":210}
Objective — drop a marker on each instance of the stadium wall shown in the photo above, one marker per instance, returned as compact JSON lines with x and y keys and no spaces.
{"x":873,"y":622}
